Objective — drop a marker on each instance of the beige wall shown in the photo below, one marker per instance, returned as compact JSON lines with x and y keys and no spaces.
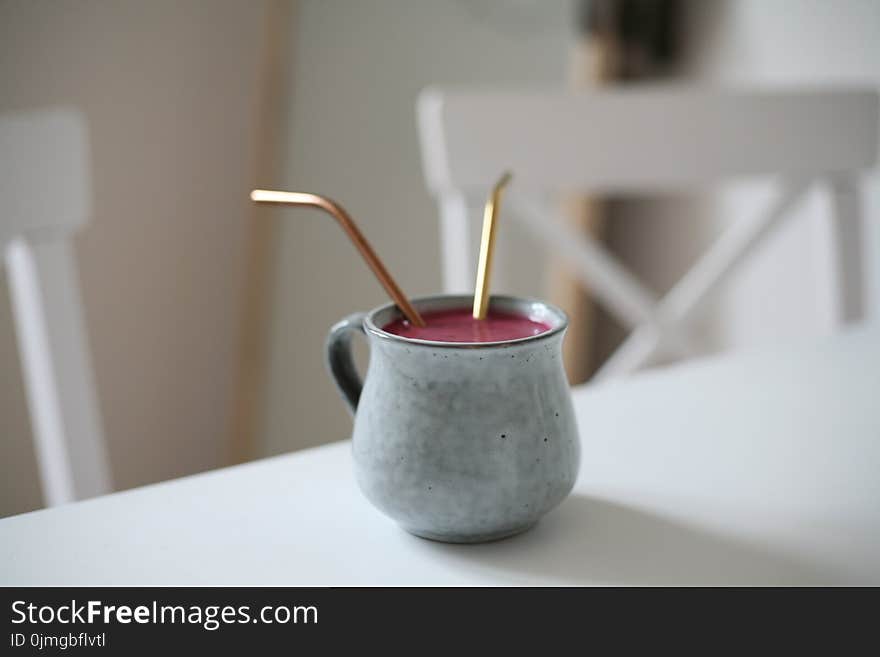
{"x":171,"y":93}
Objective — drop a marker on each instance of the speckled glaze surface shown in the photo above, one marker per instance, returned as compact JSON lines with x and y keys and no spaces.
{"x":460,"y":442}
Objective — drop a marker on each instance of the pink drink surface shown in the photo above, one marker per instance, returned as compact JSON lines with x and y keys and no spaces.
{"x":458,"y":325}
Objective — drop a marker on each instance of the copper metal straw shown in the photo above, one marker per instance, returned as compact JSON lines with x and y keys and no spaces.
{"x":348,"y":225}
{"x":487,"y":248}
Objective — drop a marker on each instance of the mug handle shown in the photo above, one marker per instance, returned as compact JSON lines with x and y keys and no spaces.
{"x":340,"y":363}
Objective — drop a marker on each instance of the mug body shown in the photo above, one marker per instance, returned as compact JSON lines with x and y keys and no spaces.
{"x":466,"y":442}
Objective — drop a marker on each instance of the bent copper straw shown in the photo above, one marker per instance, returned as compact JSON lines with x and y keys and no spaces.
{"x":487,"y":247}
{"x":360,"y":242}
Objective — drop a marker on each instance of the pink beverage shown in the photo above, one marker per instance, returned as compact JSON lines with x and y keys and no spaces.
{"x":459,"y":325}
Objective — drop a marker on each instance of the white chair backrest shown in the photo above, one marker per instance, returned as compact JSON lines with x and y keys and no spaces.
{"x":45,"y":194}
{"x":637,"y":140}
{"x":647,"y":139}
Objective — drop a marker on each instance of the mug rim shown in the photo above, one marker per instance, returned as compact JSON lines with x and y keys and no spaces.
{"x":562,"y":324}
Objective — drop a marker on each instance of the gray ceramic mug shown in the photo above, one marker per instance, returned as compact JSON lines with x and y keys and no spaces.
{"x":460,"y":442}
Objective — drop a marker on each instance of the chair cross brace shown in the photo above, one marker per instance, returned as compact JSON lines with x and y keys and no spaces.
{"x":658,"y":325}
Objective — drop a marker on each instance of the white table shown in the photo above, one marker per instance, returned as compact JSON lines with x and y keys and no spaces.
{"x":755,"y":468}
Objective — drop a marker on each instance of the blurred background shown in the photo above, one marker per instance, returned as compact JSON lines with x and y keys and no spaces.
{"x":206,"y":316}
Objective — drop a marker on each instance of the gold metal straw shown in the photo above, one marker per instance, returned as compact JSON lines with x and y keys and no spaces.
{"x":487,"y":246}
{"x":360,"y":242}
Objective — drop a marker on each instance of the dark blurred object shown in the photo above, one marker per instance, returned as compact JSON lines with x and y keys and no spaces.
{"x":645,"y":33}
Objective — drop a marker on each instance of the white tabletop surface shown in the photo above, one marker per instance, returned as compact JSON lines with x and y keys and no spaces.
{"x":756,"y":468}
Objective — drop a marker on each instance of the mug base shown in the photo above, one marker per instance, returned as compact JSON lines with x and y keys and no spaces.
{"x":470,"y":538}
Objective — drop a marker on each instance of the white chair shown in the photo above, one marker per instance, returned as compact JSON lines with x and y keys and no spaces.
{"x":45,"y":197}
{"x":647,"y":139}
